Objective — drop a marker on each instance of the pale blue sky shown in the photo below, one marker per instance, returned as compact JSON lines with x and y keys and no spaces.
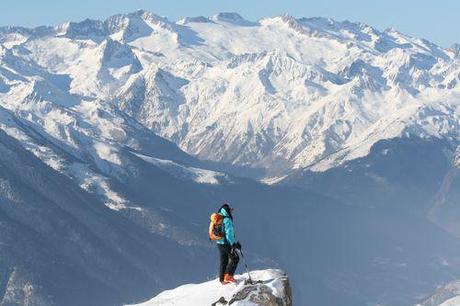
{"x":438,"y":21}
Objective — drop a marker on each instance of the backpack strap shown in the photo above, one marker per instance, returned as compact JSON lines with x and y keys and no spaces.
{"x":223,"y":227}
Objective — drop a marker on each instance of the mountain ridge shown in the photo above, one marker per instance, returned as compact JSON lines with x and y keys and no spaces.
{"x":363,"y":83}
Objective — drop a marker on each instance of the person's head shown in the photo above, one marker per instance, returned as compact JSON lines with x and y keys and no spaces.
{"x":228,"y":209}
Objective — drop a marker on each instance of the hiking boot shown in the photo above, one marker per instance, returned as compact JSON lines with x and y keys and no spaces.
{"x":229,"y":278}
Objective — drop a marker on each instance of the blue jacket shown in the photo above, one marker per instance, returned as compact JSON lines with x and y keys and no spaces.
{"x":228,"y":229}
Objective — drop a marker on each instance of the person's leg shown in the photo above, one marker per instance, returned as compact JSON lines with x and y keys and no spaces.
{"x":233,"y":260}
{"x":223,"y":255}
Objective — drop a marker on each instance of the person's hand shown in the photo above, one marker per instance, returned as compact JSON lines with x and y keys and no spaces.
{"x":237,"y":245}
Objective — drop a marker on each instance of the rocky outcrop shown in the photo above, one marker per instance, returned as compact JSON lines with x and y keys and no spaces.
{"x":444,"y":295}
{"x":263,"y":293}
{"x":268,"y":288}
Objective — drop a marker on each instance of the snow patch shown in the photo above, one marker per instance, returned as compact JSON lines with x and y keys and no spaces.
{"x":108,"y":153}
{"x":455,"y":301}
{"x":201,"y":176}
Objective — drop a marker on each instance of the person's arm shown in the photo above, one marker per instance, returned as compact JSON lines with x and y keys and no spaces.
{"x":229,"y":231}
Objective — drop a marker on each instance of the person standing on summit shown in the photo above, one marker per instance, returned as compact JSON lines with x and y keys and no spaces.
{"x":222,"y":231}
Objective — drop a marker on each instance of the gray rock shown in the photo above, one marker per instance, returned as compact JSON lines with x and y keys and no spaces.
{"x":443,"y":294}
{"x":261,"y":294}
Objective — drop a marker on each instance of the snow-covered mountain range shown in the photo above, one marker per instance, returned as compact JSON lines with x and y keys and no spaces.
{"x":137,"y":126}
{"x":225,"y":89}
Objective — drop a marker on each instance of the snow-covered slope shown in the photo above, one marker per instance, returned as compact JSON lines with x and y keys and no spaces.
{"x":224,"y":88}
{"x":273,"y":290}
{"x":447,"y":295}
{"x":452,"y":302}
{"x":60,"y":245}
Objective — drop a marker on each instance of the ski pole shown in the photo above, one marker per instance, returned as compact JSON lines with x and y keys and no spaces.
{"x":246,"y":266}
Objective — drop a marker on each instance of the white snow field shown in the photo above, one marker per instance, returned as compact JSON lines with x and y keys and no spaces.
{"x":210,"y":292}
{"x":455,"y":301}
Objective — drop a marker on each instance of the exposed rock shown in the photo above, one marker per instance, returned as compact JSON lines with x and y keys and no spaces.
{"x":271,"y":288}
{"x":443,"y":294}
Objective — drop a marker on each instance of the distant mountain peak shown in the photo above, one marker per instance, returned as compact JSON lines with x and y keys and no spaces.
{"x":82,"y":29}
{"x":197,"y":19}
{"x":233,"y":18}
{"x":455,"y":48}
{"x":228,"y":16}
{"x":299,"y":91}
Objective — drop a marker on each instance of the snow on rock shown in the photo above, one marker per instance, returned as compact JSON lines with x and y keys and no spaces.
{"x":232,"y":18}
{"x":272,"y":290}
{"x":452,"y":302}
{"x":457,"y":158}
{"x":447,"y":295}
{"x":455,"y":49}
{"x":199,"y":19}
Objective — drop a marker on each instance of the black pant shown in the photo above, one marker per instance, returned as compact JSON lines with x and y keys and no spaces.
{"x":228,"y":260}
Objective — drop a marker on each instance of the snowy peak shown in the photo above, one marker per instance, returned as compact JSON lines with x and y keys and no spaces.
{"x":117,"y":55}
{"x":271,"y":287}
{"x":355,"y":35}
{"x":87,"y":29}
{"x":13,"y":36}
{"x":224,"y":88}
{"x":128,"y":27}
{"x":232,"y":18}
{"x":123,"y":27}
{"x":289,"y":22}
{"x":197,"y":19}
{"x":455,"y":49}
{"x":328,"y":28}
{"x":367,"y":77}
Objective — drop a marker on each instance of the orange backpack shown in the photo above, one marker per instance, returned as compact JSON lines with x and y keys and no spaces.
{"x":216,"y":227}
